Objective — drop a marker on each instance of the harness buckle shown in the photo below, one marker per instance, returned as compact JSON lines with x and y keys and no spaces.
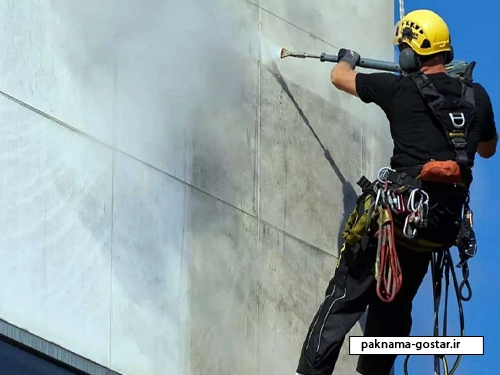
{"x":365,"y":184}
{"x":458,"y":142}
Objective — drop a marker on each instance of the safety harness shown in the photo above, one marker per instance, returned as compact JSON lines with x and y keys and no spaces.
{"x":398,"y":197}
{"x":455,"y":118}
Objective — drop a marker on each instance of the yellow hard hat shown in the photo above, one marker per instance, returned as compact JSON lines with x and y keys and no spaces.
{"x":424,"y":31}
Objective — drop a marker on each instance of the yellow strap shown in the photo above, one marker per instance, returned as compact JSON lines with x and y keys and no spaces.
{"x":357,"y":224}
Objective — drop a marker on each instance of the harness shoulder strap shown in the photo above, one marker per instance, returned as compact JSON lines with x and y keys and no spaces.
{"x":454,"y":116}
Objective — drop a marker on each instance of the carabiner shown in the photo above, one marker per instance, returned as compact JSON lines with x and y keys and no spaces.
{"x":411,"y":201}
{"x":406,"y":228}
{"x":383,"y":177}
{"x":424,"y":194}
{"x":379,"y":193}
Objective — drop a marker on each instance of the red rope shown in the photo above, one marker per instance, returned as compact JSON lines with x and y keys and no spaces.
{"x":390,"y":277}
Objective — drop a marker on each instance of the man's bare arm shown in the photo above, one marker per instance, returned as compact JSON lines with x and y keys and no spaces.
{"x":488,"y":149}
{"x":344,"y":78}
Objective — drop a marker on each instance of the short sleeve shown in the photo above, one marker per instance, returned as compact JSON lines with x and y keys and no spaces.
{"x":488,"y":127}
{"x":376,"y":88}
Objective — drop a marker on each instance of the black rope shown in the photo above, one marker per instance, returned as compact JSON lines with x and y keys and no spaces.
{"x":442,"y":263}
{"x":465,"y":283}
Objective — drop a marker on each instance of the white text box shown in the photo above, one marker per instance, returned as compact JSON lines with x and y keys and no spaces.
{"x":415,"y":345}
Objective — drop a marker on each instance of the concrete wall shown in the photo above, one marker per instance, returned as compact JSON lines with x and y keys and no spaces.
{"x":165,"y":208}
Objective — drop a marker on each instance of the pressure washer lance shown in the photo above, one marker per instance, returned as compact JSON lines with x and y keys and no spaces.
{"x":364,"y":63}
{"x":455,"y":68}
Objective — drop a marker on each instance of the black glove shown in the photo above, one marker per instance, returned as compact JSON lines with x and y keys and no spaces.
{"x":348,"y":56}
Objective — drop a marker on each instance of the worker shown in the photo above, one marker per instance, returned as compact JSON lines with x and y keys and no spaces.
{"x":423,"y":152}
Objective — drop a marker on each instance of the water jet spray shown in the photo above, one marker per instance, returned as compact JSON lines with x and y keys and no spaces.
{"x":364,"y":63}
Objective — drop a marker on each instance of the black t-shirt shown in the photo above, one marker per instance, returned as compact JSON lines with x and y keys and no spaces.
{"x":417,"y":135}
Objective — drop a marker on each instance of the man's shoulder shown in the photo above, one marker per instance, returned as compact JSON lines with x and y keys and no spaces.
{"x":443,"y":80}
{"x":481,"y":95}
{"x":382,"y":76}
{"x":479,"y":89}
{"x":376,"y":87}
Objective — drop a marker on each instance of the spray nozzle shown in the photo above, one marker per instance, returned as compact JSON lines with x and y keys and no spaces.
{"x":286,"y":53}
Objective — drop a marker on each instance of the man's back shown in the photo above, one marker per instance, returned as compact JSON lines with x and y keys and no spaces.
{"x":418,"y":136}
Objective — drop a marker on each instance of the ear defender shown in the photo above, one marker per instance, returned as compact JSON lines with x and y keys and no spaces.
{"x":409,"y":61}
{"x":450,"y":56}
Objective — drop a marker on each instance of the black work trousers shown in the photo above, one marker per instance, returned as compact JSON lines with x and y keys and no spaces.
{"x":351,"y":290}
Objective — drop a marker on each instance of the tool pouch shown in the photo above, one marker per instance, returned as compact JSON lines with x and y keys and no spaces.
{"x":441,"y":171}
{"x":359,"y":243}
{"x":358,"y":221}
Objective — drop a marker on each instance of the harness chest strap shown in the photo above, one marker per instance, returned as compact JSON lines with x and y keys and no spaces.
{"x":457,"y":136}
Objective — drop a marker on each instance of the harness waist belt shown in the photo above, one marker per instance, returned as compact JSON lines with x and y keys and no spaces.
{"x":403,"y":179}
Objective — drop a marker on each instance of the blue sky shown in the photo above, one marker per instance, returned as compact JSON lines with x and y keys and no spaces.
{"x":473,"y":29}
